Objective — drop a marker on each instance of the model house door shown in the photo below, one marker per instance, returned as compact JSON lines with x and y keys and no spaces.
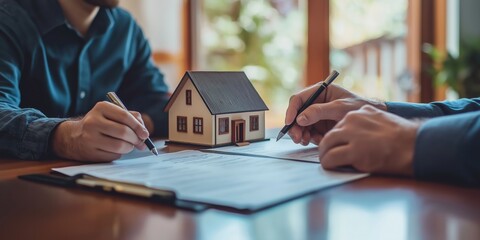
{"x":238,"y":131}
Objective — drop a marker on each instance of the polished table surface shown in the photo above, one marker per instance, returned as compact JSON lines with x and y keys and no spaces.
{"x":371,"y":208}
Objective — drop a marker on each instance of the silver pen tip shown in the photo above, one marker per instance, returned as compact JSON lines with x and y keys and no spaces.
{"x":280,"y":135}
{"x":154,"y":151}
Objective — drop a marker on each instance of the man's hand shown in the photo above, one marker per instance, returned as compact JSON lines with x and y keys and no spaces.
{"x":103,"y":134}
{"x":329,"y":108}
{"x":371,"y":140}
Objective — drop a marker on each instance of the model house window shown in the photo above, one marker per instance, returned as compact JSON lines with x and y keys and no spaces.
{"x":188,"y":95}
{"x":254,"y":123}
{"x":223,"y":125}
{"x":181,"y":124}
{"x":198,"y":125}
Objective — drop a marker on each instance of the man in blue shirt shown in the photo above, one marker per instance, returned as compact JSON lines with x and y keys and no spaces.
{"x":58,"y":59}
{"x":439,"y":141}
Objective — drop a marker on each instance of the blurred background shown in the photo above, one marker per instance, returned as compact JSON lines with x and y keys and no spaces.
{"x":400,"y":50}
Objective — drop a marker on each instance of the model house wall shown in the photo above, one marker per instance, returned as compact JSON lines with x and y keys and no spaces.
{"x":250,"y":133}
{"x":197,"y":109}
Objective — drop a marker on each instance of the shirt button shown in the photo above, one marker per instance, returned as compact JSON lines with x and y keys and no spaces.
{"x":82,"y":94}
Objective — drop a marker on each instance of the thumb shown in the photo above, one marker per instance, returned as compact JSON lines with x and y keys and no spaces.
{"x":320,"y":111}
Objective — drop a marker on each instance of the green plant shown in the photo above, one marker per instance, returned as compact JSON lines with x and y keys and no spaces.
{"x":461,"y":72}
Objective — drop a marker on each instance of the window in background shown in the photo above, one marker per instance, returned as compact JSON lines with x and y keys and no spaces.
{"x":368,"y":46}
{"x":166,"y":25}
{"x":264,"y":38}
{"x":268,"y":40}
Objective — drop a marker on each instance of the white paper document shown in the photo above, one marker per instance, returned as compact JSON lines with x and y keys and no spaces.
{"x":241,"y":182}
{"x":284,"y":149}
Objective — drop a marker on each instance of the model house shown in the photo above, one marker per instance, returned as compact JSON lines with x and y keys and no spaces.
{"x":215,"y":108}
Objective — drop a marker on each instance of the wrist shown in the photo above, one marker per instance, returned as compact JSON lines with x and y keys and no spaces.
{"x":61,"y":140}
{"x":409,"y":152}
{"x":377,"y":104}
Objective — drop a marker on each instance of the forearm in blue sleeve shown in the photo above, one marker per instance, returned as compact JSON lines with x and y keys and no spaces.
{"x":447,"y":149}
{"x":25,"y":133}
{"x":434,"y":109}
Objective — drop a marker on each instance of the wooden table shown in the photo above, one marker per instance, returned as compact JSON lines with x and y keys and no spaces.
{"x":371,"y":208}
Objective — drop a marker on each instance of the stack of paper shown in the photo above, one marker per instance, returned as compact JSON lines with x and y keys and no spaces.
{"x":237,"y":181}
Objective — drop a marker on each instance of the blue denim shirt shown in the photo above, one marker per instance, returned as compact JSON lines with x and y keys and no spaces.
{"x":49,"y":72}
{"x":447,"y":148}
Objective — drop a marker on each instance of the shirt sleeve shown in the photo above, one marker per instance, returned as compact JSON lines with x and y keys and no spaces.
{"x":434,"y":109}
{"x":447,"y":147}
{"x":144,"y":89}
{"x":24,"y":133}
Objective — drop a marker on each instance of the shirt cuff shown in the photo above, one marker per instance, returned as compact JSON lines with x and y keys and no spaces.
{"x":36,"y":141}
{"x":413,"y":110}
{"x":444,"y":152}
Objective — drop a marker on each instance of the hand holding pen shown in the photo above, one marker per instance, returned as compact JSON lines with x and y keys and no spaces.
{"x":116,"y":100}
{"x":318,"y":89}
{"x":103,"y":134}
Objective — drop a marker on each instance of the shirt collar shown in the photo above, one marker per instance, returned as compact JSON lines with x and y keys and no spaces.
{"x":102,"y":23}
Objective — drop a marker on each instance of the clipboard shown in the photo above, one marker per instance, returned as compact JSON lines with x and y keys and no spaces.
{"x":229,"y":182}
{"x":163,"y":196}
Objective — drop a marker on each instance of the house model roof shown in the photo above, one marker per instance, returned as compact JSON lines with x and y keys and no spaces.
{"x":222,"y":92}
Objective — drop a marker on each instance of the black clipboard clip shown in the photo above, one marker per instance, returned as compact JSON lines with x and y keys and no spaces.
{"x":163,"y":196}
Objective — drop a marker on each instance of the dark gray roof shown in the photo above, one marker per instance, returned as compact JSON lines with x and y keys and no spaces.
{"x":224,"y":92}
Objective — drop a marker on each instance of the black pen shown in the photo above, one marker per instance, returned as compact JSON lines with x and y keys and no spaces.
{"x":116,"y":100}
{"x":309,"y":102}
